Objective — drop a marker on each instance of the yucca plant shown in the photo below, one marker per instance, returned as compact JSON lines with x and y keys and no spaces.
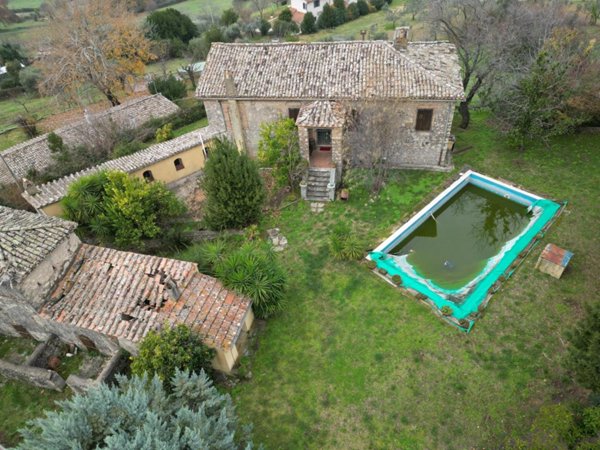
{"x":344,"y":244}
{"x":254,"y":271}
{"x":208,"y":255}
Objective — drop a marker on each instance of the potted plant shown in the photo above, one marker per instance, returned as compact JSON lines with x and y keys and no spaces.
{"x":397,"y":279}
{"x":344,"y":194}
{"x":446,"y":310}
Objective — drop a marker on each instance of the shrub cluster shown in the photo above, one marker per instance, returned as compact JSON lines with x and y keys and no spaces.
{"x":114,"y":207}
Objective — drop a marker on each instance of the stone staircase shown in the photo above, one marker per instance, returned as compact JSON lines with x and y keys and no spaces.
{"x":318,"y":184}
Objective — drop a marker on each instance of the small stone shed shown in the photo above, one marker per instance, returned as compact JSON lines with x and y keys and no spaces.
{"x":35,"y":153}
{"x":105,"y":299}
{"x":168,"y":161}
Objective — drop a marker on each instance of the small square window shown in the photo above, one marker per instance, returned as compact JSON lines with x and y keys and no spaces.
{"x":317,"y":3}
{"x":293,"y":113}
{"x":424,"y":119}
{"x":304,"y":6}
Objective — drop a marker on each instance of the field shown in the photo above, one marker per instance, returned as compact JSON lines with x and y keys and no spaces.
{"x":354,"y":364}
{"x":194,"y":8}
{"x":20,"y":4}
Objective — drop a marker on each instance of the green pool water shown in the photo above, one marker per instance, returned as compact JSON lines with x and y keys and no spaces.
{"x":453,"y":247}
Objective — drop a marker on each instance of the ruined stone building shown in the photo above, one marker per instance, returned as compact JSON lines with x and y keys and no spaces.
{"x":326,"y":87}
{"x":105,"y":299}
{"x":35,"y":154}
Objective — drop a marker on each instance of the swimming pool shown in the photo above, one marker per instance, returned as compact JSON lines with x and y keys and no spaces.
{"x":455,"y":249}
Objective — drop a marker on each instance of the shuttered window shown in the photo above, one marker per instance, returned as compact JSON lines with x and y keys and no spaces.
{"x":424,"y":119}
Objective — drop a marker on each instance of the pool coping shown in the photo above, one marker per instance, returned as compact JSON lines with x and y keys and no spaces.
{"x":507,"y":262}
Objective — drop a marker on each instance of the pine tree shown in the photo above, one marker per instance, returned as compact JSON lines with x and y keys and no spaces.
{"x":309,"y":24}
{"x":138,"y":413}
{"x":327,"y":19}
{"x":234,"y":189}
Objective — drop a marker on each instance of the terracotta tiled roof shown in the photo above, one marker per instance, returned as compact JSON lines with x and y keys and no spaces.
{"x":35,"y":153}
{"x":55,"y":190}
{"x":333,"y":71}
{"x":26,"y":239}
{"x":125,"y":295}
{"x":322,"y":113}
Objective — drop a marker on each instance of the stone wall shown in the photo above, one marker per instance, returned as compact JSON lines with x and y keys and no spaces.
{"x":412,"y":149}
{"x":44,"y":277}
{"x":44,"y":378}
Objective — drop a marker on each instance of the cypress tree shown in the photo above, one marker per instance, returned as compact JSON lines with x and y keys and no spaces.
{"x":234,"y":190}
{"x":309,"y":23}
{"x":327,"y":19}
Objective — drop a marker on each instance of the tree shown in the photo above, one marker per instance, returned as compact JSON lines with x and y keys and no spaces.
{"x":282,"y":28}
{"x":378,"y":4}
{"x":178,"y":348}
{"x":91,"y":43}
{"x":138,"y":413}
{"x":583,"y":357}
{"x":279,"y":148}
{"x":285,"y":15}
{"x":535,"y":104}
{"x":327,"y":19}
{"x":170,"y":24}
{"x":234,"y":189}
{"x":116,"y":207}
{"x":340,"y":12}
{"x":229,"y":17}
{"x":414,"y":7}
{"x":392,"y":15}
{"x":371,"y":135}
{"x":169,"y":86}
{"x":213,"y":34}
{"x":29,"y":78}
{"x":309,"y":24}
{"x":492,"y":37}
{"x":11,"y":52}
{"x":363,"y":7}
{"x":260,"y":6}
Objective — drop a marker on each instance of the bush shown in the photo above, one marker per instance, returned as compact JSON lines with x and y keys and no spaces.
{"x":378,"y":4}
{"x":138,"y":413}
{"x":169,"y":86}
{"x":583,"y":356}
{"x":229,"y":17}
{"x":164,"y":133}
{"x":327,"y":19}
{"x":397,"y":279}
{"x":126,"y":148}
{"x":234,"y":190}
{"x":252,"y":270}
{"x":118,"y":208}
{"x":55,"y":143}
{"x":352,"y":12}
{"x":208,"y":255}
{"x":233,"y":32}
{"x":363,"y":7}
{"x":264,"y":27}
{"x":29,"y":78}
{"x":344,"y":244}
{"x":309,"y":24}
{"x":282,"y":28}
{"x":170,"y":24}
{"x":189,"y":114}
{"x":163,"y":353}
{"x":285,"y":15}
{"x":279,"y":148}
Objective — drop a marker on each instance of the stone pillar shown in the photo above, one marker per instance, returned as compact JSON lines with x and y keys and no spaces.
{"x":337,"y":149}
{"x":304,"y":145}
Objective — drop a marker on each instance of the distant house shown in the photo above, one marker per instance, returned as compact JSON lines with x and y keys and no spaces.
{"x":322,"y":85}
{"x":104,"y":299}
{"x":17,"y":161}
{"x":167,"y":161}
{"x":301,"y":7}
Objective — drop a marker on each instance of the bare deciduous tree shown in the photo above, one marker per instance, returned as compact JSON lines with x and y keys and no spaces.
{"x":91,"y":43}
{"x":369,"y":139}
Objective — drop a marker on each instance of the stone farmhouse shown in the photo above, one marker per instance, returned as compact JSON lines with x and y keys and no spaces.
{"x":324,"y":85}
{"x":301,"y":7}
{"x":104,"y":299}
{"x":16,"y":161}
{"x":169,"y":162}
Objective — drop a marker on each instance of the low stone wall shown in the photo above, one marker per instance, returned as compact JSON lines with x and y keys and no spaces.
{"x":39,"y":357}
{"x":44,"y":378}
{"x":114,"y":365}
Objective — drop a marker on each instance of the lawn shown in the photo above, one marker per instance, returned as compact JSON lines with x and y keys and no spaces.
{"x":195,"y":8}
{"x":353,"y":363}
{"x":20,"y":4}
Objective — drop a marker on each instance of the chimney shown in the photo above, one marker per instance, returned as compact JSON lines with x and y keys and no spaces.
{"x":401,"y":38}
{"x":29,"y":187}
{"x":230,"y":87}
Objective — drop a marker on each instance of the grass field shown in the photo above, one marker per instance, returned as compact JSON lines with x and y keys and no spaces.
{"x":354,"y":364}
{"x":20,"y":4}
{"x":195,"y":8}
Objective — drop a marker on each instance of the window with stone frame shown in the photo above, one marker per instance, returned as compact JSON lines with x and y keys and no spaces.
{"x":304,"y":6}
{"x":424,"y":119}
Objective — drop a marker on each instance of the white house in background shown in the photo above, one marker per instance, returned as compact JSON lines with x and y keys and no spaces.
{"x":301,"y":7}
